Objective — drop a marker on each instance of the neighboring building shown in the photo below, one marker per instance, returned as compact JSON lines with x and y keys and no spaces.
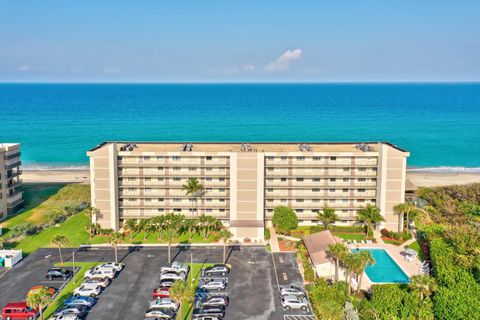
{"x":317,"y":247}
{"x":11,"y":199}
{"x":245,"y":182}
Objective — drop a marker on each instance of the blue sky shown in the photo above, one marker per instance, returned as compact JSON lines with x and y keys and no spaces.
{"x":210,"y":41}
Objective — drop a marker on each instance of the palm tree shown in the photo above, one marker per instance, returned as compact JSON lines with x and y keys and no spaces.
{"x":209,"y":225}
{"x":370,"y":215}
{"x":337,"y":251}
{"x":406,"y":209}
{"x":132,"y":226}
{"x":38,"y":300}
{"x":225,"y":235}
{"x":59,"y":241}
{"x":92,"y":213}
{"x":115,"y":239}
{"x":350,"y":262}
{"x":170,"y":235}
{"x":327,"y":216}
{"x":182,"y":292}
{"x":365,"y":259}
{"x":193,"y":188}
{"x":424,"y":285}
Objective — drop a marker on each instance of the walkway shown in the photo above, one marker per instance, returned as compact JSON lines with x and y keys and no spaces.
{"x":274,"y":241}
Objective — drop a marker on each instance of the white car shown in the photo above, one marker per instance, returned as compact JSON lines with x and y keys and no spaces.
{"x":160,"y":314}
{"x":102,"y":282}
{"x":83,"y":291}
{"x":164,"y":303}
{"x":176,"y":267}
{"x":112,"y":265}
{"x":100,"y":273}
{"x":91,"y":285}
{"x":173,"y":276}
{"x":65,"y":317}
{"x":294,"y":302}
{"x":292,"y":291}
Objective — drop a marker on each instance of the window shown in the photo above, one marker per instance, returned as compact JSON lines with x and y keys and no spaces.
{"x":161,"y":209}
{"x":283,"y":179}
{"x":146,"y":158}
{"x":299,"y":210}
{"x":331,"y":200}
{"x":209,"y":158}
{"x":177,"y":210}
{"x":283,"y":158}
{"x":333,"y":179}
{"x":270,"y":169}
{"x":132,"y":189}
{"x":161,"y":199}
{"x":222,"y":210}
{"x":192,"y":169}
{"x":361,"y":200}
{"x":148,"y":200}
{"x":345,"y":190}
{"x":177,"y":200}
{"x":361,"y":190}
{"x":209,"y":189}
{"x":346,"y":169}
{"x":299,"y":179}
{"x":283,"y":200}
{"x":132,"y":179}
{"x":208,"y":179}
{"x":159,"y":168}
{"x":362,"y":169}
{"x":221,"y":200}
{"x":221,"y":179}
{"x":148,"y":179}
{"x":316,"y":190}
{"x":299,"y":200}
{"x":148,"y":189}
{"x":269,"y":179}
{"x":300,"y":158}
{"x":176,"y":158}
{"x":132,"y":199}
{"x":331,"y":190}
{"x":315,"y":210}
{"x":209,"y":169}
{"x":317,"y":158}
{"x":345,"y":200}
{"x":344,"y":211}
{"x":221,"y":189}
{"x":270,"y":200}
{"x":346,"y":180}
{"x":270,"y":158}
{"x":159,"y":158}
{"x":316,"y":200}
{"x":176,"y":168}
{"x":362,"y":179}
{"x":209,"y":210}
{"x":333,"y":158}
{"x":161,"y":179}
{"x":316,"y":179}
{"x":177,"y":179}
{"x":209,"y":200}
{"x":269,"y":190}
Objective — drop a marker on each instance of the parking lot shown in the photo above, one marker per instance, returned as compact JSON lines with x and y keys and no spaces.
{"x":252,"y":286}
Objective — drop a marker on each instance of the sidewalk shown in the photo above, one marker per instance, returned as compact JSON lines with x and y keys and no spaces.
{"x":274,"y":241}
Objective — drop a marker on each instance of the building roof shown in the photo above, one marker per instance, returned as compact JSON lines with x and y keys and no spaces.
{"x":352,"y":147}
{"x":409,"y":186}
{"x":317,"y":245}
{"x":6,"y":146}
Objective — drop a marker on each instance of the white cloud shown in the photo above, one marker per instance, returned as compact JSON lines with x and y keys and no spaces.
{"x":111,"y":70}
{"x":24,"y":68}
{"x":249,"y":67}
{"x":284,"y":62}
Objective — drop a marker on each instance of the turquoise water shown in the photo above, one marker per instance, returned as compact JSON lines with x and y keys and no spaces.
{"x":57,"y":123}
{"x":385,"y":270}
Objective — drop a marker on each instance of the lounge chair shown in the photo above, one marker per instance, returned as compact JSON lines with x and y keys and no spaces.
{"x":354,"y":241}
{"x":363,"y":242}
{"x":369,"y":241}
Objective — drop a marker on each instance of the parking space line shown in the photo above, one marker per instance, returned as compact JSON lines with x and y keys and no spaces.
{"x":275,"y":268}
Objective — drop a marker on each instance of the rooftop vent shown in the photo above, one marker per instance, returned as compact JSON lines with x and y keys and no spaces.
{"x":187,"y":147}
{"x":128,"y":147}
{"x":246,"y":147}
{"x":364,"y":147}
{"x":305,"y":147}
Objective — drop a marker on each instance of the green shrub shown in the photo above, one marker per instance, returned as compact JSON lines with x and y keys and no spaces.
{"x":23,"y":229}
{"x":284,"y":219}
{"x":308,"y":271}
{"x":267,"y":234}
{"x":328,"y":300}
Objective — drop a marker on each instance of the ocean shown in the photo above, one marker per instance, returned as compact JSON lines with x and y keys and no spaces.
{"x":57,"y":123}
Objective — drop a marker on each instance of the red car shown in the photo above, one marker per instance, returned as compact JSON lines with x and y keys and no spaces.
{"x":161,"y":292}
{"x":18,"y":310}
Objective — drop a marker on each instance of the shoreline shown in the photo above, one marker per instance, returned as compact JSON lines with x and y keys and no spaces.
{"x":418,"y":178}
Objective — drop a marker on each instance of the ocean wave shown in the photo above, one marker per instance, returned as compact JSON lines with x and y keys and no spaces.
{"x":445,"y":169}
{"x":59,"y":167}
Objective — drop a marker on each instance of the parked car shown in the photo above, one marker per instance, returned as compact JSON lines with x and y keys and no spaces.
{"x":173,"y":276}
{"x":217,"y":270}
{"x":112,"y":265}
{"x":160,"y":314}
{"x":80,"y":301}
{"x":91,"y":285}
{"x":166,"y":283}
{"x":294,"y":302}
{"x":218,"y":312}
{"x":164,"y":303}
{"x":209,"y":318}
{"x":18,"y":310}
{"x":216,"y":301}
{"x":56,"y":273}
{"x":79,"y":311}
{"x":220,"y":284}
{"x":100,"y":273}
{"x":66,"y":317}
{"x":176,"y":267}
{"x":86,"y":292}
{"x":50,"y":290}
{"x":102,"y":282}
{"x":161,"y":292}
{"x":292,"y":291}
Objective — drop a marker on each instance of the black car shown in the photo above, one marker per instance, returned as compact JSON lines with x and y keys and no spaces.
{"x":56,"y":273}
{"x":217,"y":270}
{"x":199,"y":313}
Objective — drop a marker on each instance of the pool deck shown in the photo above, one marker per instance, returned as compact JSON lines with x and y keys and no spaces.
{"x":396,"y":253}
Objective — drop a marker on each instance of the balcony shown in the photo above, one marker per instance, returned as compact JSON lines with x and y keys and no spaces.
{"x":13,"y":165}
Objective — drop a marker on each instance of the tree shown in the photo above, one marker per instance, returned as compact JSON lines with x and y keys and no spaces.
{"x":2,"y":243}
{"x":115,"y":239}
{"x":92,"y":213}
{"x":407,"y":209}
{"x":59,"y":241}
{"x":170,"y":235}
{"x":351,"y":263}
{"x":370,"y":215}
{"x":182,"y":292}
{"x":38,"y":300}
{"x":193,"y":188}
{"x":132,"y":226}
{"x":327,"y":216}
{"x":424,"y":285}
{"x":337,"y":251}
{"x":284,"y":219}
{"x":209,"y":224}
{"x":364,"y":259}
{"x":225,"y":235}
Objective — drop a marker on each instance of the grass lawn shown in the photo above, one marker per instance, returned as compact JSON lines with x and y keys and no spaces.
{"x":195,"y":272}
{"x":396,"y":243}
{"x":350,"y":236}
{"x":416,"y":246}
{"x":72,"y":284}
{"x":42,"y":198}
{"x":183,"y":238}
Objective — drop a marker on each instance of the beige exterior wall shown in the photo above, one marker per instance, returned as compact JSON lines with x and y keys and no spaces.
{"x":242,"y":187}
{"x":11,"y":200}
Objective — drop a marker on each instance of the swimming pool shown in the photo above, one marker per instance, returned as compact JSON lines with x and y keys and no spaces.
{"x":385,"y":269}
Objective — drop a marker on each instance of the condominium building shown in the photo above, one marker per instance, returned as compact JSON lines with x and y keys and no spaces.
{"x":10,"y":198}
{"x":244,"y":182}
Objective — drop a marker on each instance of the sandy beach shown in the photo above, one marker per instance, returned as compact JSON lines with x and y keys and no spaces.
{"x":426,"y":179}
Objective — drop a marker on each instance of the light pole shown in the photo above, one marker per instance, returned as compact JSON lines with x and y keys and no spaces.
{"x":73,"y":262}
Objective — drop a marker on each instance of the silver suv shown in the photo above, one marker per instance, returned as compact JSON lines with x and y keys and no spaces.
{"x":294,"y":302}
{"x":213,"y":284}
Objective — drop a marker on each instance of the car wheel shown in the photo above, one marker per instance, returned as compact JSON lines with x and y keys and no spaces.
{"x":9,"y":318}
{"x":287,"y":308}
{"x":93,"y":295}
{"x":224,"y":274}
{"x":30,"y":318}
{"x":107,"y":282}
{"x":50,"y":278}
{"x":304,"y":308}
{"x":76,"y":295}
